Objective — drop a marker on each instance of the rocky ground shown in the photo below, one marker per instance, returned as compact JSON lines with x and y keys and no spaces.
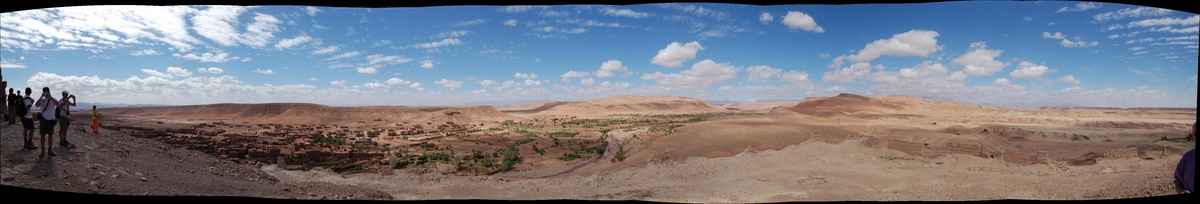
{"x":113,"y":163}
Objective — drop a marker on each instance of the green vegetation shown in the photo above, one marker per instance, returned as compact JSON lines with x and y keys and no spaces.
{"x":563,"y":134}
{"x":335,"y":140}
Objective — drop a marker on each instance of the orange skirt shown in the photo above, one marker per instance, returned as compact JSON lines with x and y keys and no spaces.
{"x":95,"y":125}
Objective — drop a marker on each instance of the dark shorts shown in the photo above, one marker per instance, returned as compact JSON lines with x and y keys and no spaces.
{"x":27,"y":123}
{"x":64,"y":122}
{"x":46,"y":126}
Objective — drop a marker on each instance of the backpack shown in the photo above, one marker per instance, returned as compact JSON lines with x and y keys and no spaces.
{"x":59,"y":111}
{"x":21,"y":110}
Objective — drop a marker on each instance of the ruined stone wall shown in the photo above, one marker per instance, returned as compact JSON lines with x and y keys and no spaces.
{"x":977,"y":149}
{"x":1042,"y":157}
{"x":872,"y":142}
{"x":1121,"y":153}
{"x":912,"y":148}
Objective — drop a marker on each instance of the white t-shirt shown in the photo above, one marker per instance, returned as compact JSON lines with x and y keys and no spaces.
{"x":65,"y":108}
{"x":29,"y":113}
{"x":48,"y":109}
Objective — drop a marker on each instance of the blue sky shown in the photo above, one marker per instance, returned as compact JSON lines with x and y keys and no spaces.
{"x":1020,"y":54}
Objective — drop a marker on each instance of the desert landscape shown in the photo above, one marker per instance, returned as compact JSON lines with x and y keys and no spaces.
{"x":651,"y":148}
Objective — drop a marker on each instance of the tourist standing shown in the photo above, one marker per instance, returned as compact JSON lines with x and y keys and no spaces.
{"x":26,"y":111}
{"x":64,"y":117}
{"x":47,"y":121}
{"x":95,"y":120}
{"x":1185,"y":171}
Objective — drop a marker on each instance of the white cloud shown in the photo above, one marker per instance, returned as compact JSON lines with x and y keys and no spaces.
{"x":326,"y":50}
{"x":144,"y":52}
{"x":525,"y":76}
{"x":702,"y":76}
{"x":487,"y":83}
{"x":449,"y":84}
{"x":795,"y":78}
{"x":515,"y":9}
{"x":1136,"y":48}
{"x":1131,"y":13}
{"x":453,"y":34}
{"x":313,"y":79}
{"x":217,"y":24}
{"x":1029,"y":70}
{"x":980,"y":61}
{"x":762,"y":73}
{"x":675,"y":54}
{"x":397,"y":82}
{"x":260,"y":71}
{"x":625,"y":13}
{"x":444,"y":42}
{"x":1078,"y":43}
{"x":1139,"y":40}
{"x":469,"y":23}
{"x":1192,"y":29}
{"x":206,"y":57}
{"x":312,"y":11}
{"x":375,"y":85}
{"x":417,"y":85}
{"x":210,"y":70}
{"x":587,"y":82}
{"x":511,"y":22}
{"x":1001,"y":82}
{"x":1068,"y":79}
{"x":367,"y":70}
{"x":338,"y":83}
{"x":1027,"y":18}
{"x":911,"y":43}
{"x":531,"y":82}
{"x":798,"y":20}
{"x":390,"y":59}
{"x":179,"y":71}
{"x":1057,"y":35}
{"x":156,"y":73}
{"x":1195,"y":19}
{"x":609,"y":67}
{"x":766,"y":18}
{"x":1081,"y":7}
{"x":566,"y":77}
{"x":344,"y":55}
{"x":427,"y":64}
{"x":848,"y":74}
{"x":291,"y":42}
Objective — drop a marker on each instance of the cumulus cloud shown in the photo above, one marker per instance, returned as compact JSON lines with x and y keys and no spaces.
{"x":798,"y":20}
{"x":1001,"y":82}
{"x":487,"y":83}
{"x":795,"y":78}
{"x":702,"y":76}
{"x":144,"y":52}
{"x":367,"y":70}
{"x":531,"y":82}
{"x":397,"y":82}
{"x":344,"y":55}
{"x":260,"y":71}
{"x":766,"y":18}
{"x":1056,"y":35}
{"x":763,"y":73}
{"x":911,"y":43}
{"x":510,"y":22}
{"x":417,"y":85}
{"x":469,"y":23}
{"x":848,"y":74}
{"x":179,"y":71}
{"x":338,"y":83}
{"x":375,"y":85}
{"x":427,"y":64}
{"x":449,"y":84}
{"x":675,"y":54}
{"x":525,"y":76}
{"x":980,"y":61}
{"x":210,"y":70}
{"x":292,"y":42}
{"x":1081,"y":7}
{"x":206,"y":57}
{"x":156,"y":73}
{"x":608,"y":68}
{"x":625,"y":13}
{"x":1029,"y":70}
{"x":587,"y":82}
{"x":566,"y":77}
{"x":1068,"y":79}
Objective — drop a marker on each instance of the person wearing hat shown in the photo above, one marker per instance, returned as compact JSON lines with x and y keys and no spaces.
{"x":64,"y":117}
